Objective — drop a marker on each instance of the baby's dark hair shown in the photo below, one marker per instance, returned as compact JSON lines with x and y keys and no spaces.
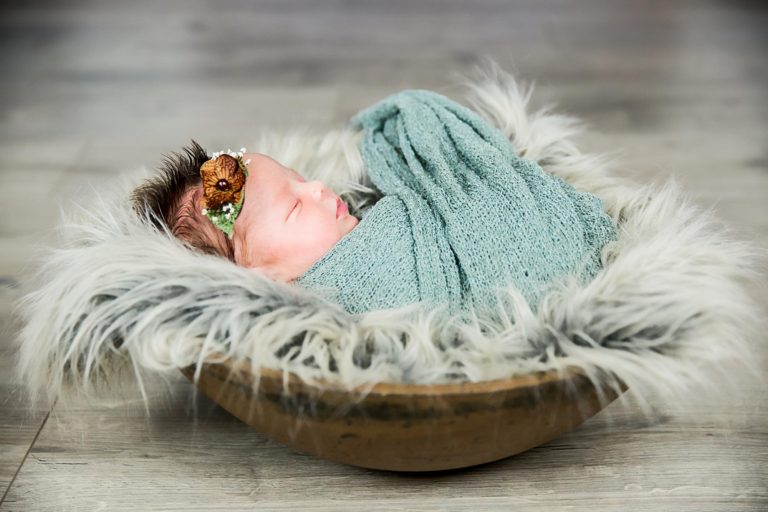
{"x":169,"y":200}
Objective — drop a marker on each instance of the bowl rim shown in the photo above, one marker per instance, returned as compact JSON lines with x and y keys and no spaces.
{"x":503,"y":384}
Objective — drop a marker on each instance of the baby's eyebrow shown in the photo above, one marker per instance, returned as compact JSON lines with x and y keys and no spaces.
{"x":297,"y":174}
{"x":284,"y":195}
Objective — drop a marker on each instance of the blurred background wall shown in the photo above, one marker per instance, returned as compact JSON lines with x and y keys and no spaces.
{"x":93,"y":88}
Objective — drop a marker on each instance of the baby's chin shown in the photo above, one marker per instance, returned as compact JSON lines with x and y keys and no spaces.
{"x":350,"y":223}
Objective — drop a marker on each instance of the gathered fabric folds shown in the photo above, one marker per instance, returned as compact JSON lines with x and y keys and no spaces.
{"x":461,"y":214}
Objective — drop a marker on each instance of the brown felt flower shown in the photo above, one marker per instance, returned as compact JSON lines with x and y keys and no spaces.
{"x":223,"y":182}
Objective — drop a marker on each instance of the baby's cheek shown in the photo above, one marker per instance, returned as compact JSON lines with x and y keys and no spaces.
{"x":313,"y":244}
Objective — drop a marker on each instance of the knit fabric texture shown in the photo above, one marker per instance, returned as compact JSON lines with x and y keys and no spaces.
{"x":461,"y":214}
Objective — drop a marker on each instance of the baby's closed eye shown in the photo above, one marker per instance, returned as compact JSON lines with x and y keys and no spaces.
{"x":296,"y":208}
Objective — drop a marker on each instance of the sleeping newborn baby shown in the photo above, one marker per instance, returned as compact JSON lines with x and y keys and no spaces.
{"x":284,"y":225}
{"x":461,"y":214}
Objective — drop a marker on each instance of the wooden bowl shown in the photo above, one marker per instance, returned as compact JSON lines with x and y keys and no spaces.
{"x":403,"y":427}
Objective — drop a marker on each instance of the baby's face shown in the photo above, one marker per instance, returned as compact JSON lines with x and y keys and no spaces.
{"x":286,"y":223}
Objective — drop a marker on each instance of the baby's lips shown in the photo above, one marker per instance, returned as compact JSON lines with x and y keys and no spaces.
{"x":341,"y":207}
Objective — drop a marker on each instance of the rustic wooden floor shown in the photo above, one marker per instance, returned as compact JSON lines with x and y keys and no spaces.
{"x":94,"y":89}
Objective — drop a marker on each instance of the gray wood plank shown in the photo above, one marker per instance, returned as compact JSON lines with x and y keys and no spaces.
{"x":174,"y":463}
{"x":19,"y":423}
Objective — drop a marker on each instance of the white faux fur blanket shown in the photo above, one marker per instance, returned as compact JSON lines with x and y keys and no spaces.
{"x":118,"y":295}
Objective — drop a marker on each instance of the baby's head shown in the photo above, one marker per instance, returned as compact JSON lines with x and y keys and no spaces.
{"x":286,"y":223}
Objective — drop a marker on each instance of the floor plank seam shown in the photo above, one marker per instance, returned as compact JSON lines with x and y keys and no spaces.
{"x":24,"y":459}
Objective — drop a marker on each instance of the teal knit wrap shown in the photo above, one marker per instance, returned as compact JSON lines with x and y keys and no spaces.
{"x":461,"y":214}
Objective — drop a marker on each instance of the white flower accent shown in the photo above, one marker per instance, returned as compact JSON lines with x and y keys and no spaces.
{"x":205,"y":211}
{"x":233,"y":154}
{"x":228,"y":215}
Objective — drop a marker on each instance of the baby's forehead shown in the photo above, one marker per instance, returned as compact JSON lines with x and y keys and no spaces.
{"x":268,"y":183}
{"x":264,"y":166}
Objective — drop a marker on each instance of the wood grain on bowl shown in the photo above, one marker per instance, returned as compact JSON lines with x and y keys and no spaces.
{"x":407,"y":427}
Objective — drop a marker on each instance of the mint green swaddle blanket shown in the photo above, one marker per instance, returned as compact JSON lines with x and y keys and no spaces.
{"x":461,"y":214}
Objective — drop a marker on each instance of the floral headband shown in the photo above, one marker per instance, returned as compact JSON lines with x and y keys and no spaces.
{"x":223,"y":188}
